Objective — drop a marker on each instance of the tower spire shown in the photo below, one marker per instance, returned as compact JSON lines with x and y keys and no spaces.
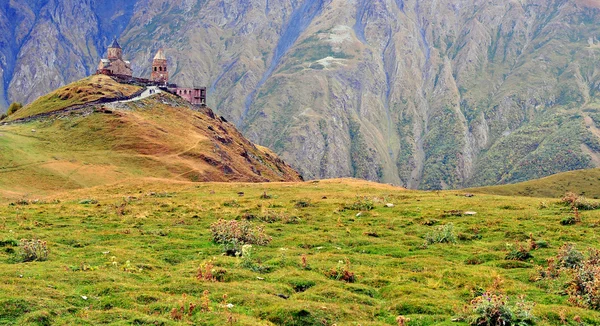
{"x":160,"y":72}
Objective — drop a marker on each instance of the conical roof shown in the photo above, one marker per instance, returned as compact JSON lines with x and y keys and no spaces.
{"x":160,"y":55}
{"x":115,"y":44}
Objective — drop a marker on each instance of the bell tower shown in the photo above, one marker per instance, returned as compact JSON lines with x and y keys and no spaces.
{"x":114,"y":51}
{"x":159,"y":68}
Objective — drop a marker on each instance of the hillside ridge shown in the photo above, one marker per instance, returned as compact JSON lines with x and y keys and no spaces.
{"x":110,"y":139}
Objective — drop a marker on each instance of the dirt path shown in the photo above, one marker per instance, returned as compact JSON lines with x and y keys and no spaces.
{"x":150,"y":91}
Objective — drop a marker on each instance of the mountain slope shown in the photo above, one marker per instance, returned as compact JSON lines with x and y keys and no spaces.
{"x":157,"y":137}
{"x":426,"y":94}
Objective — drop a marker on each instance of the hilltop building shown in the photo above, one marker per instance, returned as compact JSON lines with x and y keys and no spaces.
{"x":115,"y":66}
{"x":195,"y":95}
{"x":159,"y":68}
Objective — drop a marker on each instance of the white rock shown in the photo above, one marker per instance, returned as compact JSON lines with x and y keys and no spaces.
{"x":470,"y":213}
{"x":390,"y":205}
{"x":84,"y":297}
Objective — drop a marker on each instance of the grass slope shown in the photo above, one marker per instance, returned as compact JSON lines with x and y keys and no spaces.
{"x":129,"y":253}
{"x":581,"y":182}
{"x":80,"y":92}
{"x":158,"y":137}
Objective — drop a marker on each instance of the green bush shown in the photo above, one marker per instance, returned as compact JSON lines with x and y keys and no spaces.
{"x":33,"y":250}
{"x":441,"y":234}
{"x":234,"y":234}
{"x":584,"y":288}
{"x":361,"y":204}
{"x":579,"y":202}
{"x":492,"y":310}
{"x":569,"y":256}
{"x":520,"y":253}
{"x":14,"y":107}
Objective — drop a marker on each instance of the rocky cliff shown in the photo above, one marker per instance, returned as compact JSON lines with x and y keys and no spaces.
{"x":424,"y":93}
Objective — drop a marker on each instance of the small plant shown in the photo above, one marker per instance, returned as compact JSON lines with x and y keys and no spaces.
{"x":205,"y":303}
{"x":532,"y":244}
{"x":270,"y":216}
{"x":492,"y":310}
{"x":518,"y":252}
{"x":33,"y":250}
{"x":249,"y":261}
{"x":14,"y":107}
{"x":304,"y":262}
{"x":550,"y":272}
{"x":184,"y":310}
{"x":584,"y":288}
{"x":303,"y":203}
{"x":208,"y":273}
{"x":579,"y":202}
{"x":569,"y":220}
{"x":441,"y":234}
{"x":430,"y":222}
{"x":234,"y":234}
{"x":361,"y":204}
{"x":402,"y":321}
{"x":88,"y":202}
{"x":231,"y":203}
{"x":569,"y":257}
{"x":342,"y":272}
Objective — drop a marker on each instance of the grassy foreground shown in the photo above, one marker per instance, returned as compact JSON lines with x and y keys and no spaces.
{"x":129,"y":254}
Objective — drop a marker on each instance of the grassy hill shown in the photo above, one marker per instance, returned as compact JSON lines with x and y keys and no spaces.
{"x":130,"y":254}
{"x":581,"y":182}
{"x":84,"y":91}
{"x":158,"y":137}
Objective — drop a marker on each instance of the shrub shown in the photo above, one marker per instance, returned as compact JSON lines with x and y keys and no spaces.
{"x":491,"y":310}
{"x":249,"y":261}
{"x":231,"y":203}
{"x":33,"y":250}
{"x":584,"y":288}
{"x":569,"y":220}
{"x":569,"y":257}
{"x":234,"y":234}
{"x":88,"y":202}
{"x":519,"y":252}
{"x":579,"y":202}
{"x":361,"y":204}
{"x":341,"y":272}
{"x":272,"y":217}
{"x":542,"y":244}
{"x":441,"y":234}
{"x":208,"y":272}
{"x":14,"y":107}
{"x":303,"y":203}
{"x":551,"y":272}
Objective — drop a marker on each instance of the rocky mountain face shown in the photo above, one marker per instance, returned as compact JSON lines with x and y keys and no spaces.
{"x":429,"y":94}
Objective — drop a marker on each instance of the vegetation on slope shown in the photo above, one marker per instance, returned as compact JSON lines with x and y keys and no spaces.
{"x":80,"y":92}
{"x":581,"y":182}
{"x":159,"y":137}
{"x":142,"y":253}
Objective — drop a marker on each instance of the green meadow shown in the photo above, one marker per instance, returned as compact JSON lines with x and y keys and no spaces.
{"x":138,"y":253}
